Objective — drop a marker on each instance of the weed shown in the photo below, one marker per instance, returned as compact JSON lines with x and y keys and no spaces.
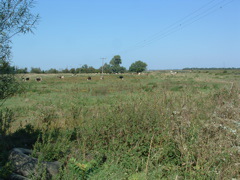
{"x":6,"y":119}
{"x":52,"y":145}
{"x":100,"y":91}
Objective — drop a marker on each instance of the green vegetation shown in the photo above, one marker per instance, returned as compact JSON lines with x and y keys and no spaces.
{"x":36,"y":70}
{"x":149,"y":126}
{"x":112,"y":67}
{"x":16,"y":18}
{"x":138,"y":66}
{"x":115,"y":65}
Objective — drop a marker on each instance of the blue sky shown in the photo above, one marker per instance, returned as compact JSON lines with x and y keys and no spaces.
{"x":72,"y":33}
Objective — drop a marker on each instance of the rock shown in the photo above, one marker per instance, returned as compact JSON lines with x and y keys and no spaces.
{"x":17,"y":177}
{"x":25,"y":165}
{"x":52,"y":167}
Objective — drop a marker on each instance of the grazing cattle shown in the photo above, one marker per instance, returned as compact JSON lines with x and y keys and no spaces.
{"x":25,"y":79}
{"x":89,"y":78}
{"x":173,"y":73}
{"x":61,"y":77}
{"x":38,"y":79}
{"x":101,"y":77}
{"x":120,"y":77}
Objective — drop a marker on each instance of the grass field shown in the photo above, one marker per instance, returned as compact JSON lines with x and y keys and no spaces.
{"x":149,"y":126}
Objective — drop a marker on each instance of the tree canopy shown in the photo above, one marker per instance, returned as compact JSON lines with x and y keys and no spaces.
{"x":138,"y":66}
{"x":116,"y":61}
{"x":115,"y":65}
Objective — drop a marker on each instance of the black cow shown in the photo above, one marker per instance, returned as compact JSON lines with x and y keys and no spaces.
{"x":120,"y":77}
{"x":38,"y":79}
{"x":89,"y":78}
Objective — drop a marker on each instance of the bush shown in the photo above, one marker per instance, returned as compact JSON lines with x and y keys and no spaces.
{"x":6,"y":119}
{"x":8,"y":86}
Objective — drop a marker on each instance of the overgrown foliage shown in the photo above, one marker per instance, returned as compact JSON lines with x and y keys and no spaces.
{"x":160,"y":126}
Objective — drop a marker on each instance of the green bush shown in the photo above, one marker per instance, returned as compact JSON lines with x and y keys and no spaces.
{"x":52,"y":145}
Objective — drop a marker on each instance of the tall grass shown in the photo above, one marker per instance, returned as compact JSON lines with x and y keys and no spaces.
{"x":143,"y":127}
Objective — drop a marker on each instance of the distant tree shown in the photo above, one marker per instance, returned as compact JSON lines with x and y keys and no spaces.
{"x":118,"y":69}
{"x":36,"y":70}
{"x":88,"y":69}
{"x":115,"y":64}
{"x":116,"y":61}
{"x":78,"y":70}
{"x":91,"y":70}
{"x":21,"y":70}
{"x":73,"y":70}
{"x":65,"y":70}
{"x":122,"y":69}
{"x":106,"y":68}
{"x":50,"y":71}
{"x":138,"y":66}
{"x":84,"y":68}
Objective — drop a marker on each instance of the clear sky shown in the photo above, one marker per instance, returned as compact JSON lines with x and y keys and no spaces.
{"x":171,"y":34}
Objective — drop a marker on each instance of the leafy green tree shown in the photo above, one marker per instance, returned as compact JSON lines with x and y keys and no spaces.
{"x":115,"y":65}
{"x":106,"y":68}
{"x":87,"y":69}
{"x":50,"y":71}
{"x":116,"y":61}
{"x":78,"y":70}
{"x":118,"y":69}
{"x":84,"y":68}
{"x":36,"y":70}
{"x":138,"y":66}
{"x":122,"y":69}
{"x":65,"y":70}
{"x":91,"y":69}
{"x":15,"y":18}
{"x":73,"y":70}
{"x":21,"y":70}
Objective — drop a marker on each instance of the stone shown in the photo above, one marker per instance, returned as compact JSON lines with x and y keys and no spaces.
{"x":17,"y":177}
{"x":25,"y":165}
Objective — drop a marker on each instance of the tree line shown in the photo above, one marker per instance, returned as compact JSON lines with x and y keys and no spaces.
{"x":114,"y":66}
{"x":230,"y":68}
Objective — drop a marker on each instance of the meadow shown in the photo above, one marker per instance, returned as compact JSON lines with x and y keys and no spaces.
{"x":150,"y":126}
